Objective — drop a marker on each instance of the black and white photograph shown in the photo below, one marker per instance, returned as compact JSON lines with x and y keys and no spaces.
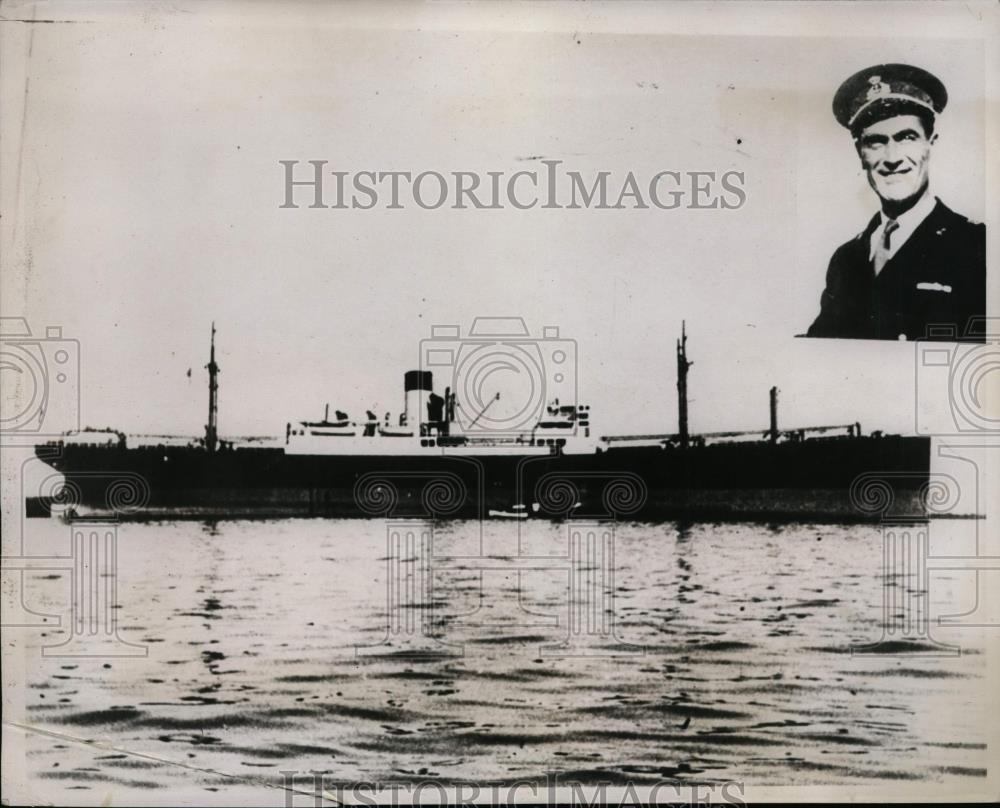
{"x":492,"y":403}
{"x":891,"y":111}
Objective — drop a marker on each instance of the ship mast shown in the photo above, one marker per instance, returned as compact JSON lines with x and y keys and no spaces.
{"x":211,"y":429}
{"x":682,"y":389}
{"x":773,"y":431}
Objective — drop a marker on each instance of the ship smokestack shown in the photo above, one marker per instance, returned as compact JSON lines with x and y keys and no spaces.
{"x":682,"y":401}
{"x":417,"y":388}
{"x":211,"y":428}
{"x":774,"y":415}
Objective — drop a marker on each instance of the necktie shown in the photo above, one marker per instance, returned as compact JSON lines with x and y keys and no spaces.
{"x":882,"y":248}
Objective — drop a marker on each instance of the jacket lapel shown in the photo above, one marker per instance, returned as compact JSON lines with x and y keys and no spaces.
{"x":862,"y":248}
{"x":912,"y":253}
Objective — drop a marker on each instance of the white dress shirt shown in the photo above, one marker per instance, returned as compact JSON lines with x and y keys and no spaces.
{"x":908,"y":222}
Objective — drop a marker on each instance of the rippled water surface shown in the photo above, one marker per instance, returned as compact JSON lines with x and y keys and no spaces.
{"x":267,"y":652}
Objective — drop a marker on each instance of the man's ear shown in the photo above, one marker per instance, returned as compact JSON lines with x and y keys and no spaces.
{"x":933,"y":139}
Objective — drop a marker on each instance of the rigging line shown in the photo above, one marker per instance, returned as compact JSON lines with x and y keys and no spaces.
{"x":484,"y":409}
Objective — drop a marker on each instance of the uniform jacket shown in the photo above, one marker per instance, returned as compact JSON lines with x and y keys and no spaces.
{"x":936,"y":278}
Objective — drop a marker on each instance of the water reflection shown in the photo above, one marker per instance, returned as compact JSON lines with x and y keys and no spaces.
{"x":746,"y":672}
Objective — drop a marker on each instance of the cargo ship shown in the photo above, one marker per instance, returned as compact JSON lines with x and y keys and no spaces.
{"x":447,"y":459}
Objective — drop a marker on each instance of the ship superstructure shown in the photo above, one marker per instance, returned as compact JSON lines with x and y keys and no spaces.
{"x":428,"y":425}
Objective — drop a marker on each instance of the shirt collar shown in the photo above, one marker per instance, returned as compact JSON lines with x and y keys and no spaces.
{"x":908,"y":222}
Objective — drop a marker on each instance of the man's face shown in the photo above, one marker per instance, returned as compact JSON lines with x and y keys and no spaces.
{"x":895,"y":153}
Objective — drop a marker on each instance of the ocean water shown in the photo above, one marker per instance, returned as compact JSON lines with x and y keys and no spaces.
{"x":497,"y":652}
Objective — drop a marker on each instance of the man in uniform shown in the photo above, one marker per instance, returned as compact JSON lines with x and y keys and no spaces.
{"x":919,"y":269}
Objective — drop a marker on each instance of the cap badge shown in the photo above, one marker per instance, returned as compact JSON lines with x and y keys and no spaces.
{"x":877,"y":89}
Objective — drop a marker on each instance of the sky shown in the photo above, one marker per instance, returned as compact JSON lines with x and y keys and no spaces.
{"x":144,"y":195}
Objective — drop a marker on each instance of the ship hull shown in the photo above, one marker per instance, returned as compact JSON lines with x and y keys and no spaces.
{"x":839,"y":479}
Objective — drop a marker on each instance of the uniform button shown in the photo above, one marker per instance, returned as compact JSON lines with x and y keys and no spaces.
{"x":901,"y":338}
